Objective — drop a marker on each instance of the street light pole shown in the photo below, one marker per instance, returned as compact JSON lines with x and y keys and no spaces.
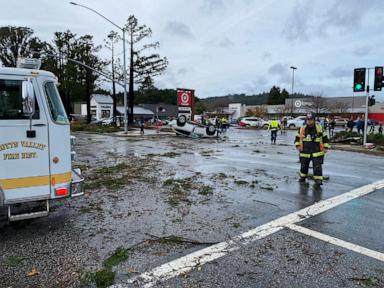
{"x":125,"y":64}
{"x":293,"y":83}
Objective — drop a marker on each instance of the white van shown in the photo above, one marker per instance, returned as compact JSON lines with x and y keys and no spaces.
{"x":35,"y":142}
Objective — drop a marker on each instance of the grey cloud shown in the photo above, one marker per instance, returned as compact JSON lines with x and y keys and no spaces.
{"x":277,"y":69}
{"x":210,"y":6}
{"x":281,"y":71}
{"x":342,"y":15}
{"x":255,"y":86}
{"x":182,"y":71}
{"x":261,"y":81}
{"x":341,"y":72}
{"x":337,"y":15}
{"x":178,"y":29}
{"x":266,"y":56}
{"x":299,"y":23}
{"x":362,"y":51}
{"x":226,"y":42}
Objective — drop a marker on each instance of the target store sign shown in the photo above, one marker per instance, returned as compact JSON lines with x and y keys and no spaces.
{"x":184,"y":98}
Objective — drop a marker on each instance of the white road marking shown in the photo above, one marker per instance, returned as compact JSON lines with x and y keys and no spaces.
{"x":187,"y":263}
{"x":338,"y":242}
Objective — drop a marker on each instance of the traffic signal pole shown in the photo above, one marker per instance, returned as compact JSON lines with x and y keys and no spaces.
{"x":365,"y":131}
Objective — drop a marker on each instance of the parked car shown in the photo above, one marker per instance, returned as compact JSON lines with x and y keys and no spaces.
{"x":95,"y":121}
{"x":107,"y":121}
{"x":253,"y":122}
{"x":341,"y":122}
{"x":296,"y":122}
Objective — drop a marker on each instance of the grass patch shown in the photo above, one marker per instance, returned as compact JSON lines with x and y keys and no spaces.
{"x":148,"y":179}
{"x":256,"y":151}
{"x":170,"y":154}
{"x":171,"y":240}
{"x":378,"y":139}
{"x":177,"y":195}
{"x":13,"y":261}
{"x":241,"y":182}
{"x":205,"y":190}
{"x":183,"y":183}
{"x":99,"y":129}
{"x":207,"y":152}
{"x":118,"y":176}
{"x":179,"y":190}
{"x":366,"y":282}
{"x":269,"y":188}
{"x":104,"y":278}
{"x":84,"y":209}
{"x":151,"y":155}
{"x":120,"y":255}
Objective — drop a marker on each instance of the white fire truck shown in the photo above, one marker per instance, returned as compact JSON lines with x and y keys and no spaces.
{"x":35,"y":142}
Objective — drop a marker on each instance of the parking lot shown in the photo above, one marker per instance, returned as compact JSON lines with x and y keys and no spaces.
{"x":205,"y":213}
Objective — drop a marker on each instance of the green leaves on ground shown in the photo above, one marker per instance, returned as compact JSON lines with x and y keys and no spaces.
{"x":120,"y":255}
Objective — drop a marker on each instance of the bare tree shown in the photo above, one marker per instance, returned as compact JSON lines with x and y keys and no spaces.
{"x":340,"y":107}
{"x":319,"y":104}
{"x":257,"y":111}
{"x":142,"y":65}
{"x":283,"y":110}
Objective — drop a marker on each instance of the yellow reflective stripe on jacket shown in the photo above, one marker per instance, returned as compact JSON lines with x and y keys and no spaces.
{"x":318,"y":139}
{"x":304,"y":155}
{"x":314,"y":155}
{"x":318,"y":154}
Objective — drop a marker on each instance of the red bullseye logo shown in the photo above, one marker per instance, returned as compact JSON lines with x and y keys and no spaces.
{"x":184,"y":98}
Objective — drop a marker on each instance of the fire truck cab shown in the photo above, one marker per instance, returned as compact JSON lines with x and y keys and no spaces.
{"x":35,"y":142}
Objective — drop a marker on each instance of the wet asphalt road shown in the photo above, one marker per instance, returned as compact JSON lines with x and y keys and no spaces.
{"x":250,"y":183}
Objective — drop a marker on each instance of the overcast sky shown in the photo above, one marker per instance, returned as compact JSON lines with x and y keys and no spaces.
{"x":232,"y":46}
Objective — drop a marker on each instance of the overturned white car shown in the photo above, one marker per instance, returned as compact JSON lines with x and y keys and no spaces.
{"x":182,"y":127}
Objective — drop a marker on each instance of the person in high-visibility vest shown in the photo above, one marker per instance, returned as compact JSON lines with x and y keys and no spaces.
{"x":312,"y":143}
{"x":274,"y":126}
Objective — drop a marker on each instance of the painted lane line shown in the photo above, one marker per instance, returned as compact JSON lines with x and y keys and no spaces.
{"x":187,"y":263}
{"x":338,"y":242}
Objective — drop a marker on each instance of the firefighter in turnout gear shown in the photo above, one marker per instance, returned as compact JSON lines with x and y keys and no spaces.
{"x":312,"y":143}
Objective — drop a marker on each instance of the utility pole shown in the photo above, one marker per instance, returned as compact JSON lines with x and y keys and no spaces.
{"x":293,"y":84}
{"x":112,"y":36}
{"x":130,"y":93}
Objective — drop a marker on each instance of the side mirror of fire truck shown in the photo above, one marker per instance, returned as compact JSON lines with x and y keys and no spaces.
{"x":28,"y":98}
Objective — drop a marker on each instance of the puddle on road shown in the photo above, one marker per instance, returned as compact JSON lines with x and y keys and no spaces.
{"x":202,"y":190}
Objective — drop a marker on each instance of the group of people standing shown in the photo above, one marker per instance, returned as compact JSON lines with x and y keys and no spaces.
{"x":359,"y":123}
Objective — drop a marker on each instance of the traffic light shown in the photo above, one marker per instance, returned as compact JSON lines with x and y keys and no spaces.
{"x":378,"y":78}
{"x":371,"y":100}
{"x":359,"y":80}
